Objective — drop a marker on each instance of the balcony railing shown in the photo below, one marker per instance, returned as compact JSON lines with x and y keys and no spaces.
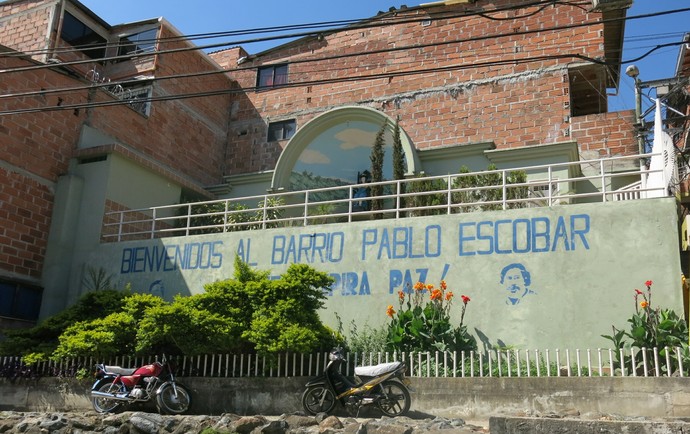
{"x":413,"y":197}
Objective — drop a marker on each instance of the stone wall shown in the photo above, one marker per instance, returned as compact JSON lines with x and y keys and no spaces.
{"x":467,"y":398}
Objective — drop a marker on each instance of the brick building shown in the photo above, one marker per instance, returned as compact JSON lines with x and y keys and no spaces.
{"x":471,"y":83}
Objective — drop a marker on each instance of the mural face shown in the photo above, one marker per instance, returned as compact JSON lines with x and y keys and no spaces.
{"x":338,"y":155}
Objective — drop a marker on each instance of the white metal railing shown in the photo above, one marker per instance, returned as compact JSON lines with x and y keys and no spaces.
{"x":499,"y":363}
{"x":399,"y":198}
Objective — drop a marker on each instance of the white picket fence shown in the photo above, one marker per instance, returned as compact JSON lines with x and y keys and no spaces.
{"x":506,"y":363}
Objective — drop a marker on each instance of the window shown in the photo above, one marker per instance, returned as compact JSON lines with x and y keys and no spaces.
{"x":138,"y":98}
{"x":19,"y":301}
{"x":272,"y":76}
{"x":82,"y":37}
{"x":281,"y":130}
{"x":142,"y":42}
{"x":539,"y":193}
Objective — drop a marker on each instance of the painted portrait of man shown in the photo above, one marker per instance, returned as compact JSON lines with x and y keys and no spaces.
{"x":516,"y":280}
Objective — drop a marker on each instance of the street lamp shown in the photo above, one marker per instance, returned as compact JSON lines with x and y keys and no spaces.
{"x":634,"y":72}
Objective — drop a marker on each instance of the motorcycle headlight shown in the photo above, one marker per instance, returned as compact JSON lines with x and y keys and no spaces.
{"x":336,"y":355}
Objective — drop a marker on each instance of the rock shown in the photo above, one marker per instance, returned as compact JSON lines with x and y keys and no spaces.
{"x":140,"y":422}
{"x":331,"y":422}
{"x":246,"y":424}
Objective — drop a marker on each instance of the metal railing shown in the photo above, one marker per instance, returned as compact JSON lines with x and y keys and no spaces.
{"x":507,"y":363}
{"x":412,"y":197}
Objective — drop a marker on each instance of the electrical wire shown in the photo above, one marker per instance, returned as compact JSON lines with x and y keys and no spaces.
{"x":224,"y":44}
{"x":318,"y":59}
{"x":305,"y":83}
{"x":387,"y":74}
{"x":355,"y":24}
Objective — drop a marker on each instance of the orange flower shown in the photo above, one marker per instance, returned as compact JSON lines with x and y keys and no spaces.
{"x":401,"y":295}
{"x":436,"y":294}
{"x":390,"y":311}
{"x":644,"y":304}
{"x":449,"y":295}
{"x":419,"y":286}
{"x":429,"y":286}
{"x":443,"y":285}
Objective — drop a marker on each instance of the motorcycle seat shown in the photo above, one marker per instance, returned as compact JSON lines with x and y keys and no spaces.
{"x":119,"y":370}
{"x":375,"y":370}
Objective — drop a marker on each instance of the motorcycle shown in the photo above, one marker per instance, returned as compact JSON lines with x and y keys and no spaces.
{"x":383,"y":385}
{"x":117,"y":387}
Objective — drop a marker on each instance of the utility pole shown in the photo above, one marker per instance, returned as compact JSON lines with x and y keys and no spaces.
{"x":633,"y":72}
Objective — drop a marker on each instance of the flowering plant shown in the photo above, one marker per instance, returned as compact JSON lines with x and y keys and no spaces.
{"x":422,"y":321}
{"x":650,"y":328}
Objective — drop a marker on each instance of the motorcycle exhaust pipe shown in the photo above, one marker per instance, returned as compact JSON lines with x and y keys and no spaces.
{"x":118,"y":397}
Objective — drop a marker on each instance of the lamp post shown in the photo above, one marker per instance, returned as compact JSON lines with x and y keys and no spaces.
{"x":633,"y":72}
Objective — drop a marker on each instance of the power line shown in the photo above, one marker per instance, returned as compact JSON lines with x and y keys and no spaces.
{"x":385,"y":74}
{"x":334,"y":57}
{"x":356,"y":24}
{"x":235,"y":43}
{"x":303,"y":83}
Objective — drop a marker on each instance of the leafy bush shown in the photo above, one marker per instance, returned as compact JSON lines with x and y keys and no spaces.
{"x":483,"y":190}
{"x":285,"y":312}
{"x":424,"y":325}
{"x":651,"y":328}
{"x":425,"y":194}
{"x":39,"y":342}
{"x":250,"y":313}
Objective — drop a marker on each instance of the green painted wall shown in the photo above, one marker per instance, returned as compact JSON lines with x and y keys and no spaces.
{"x":584,"y":263}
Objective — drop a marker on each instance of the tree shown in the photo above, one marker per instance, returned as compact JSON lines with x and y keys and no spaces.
{"x":376,"y":157}
{"x":399,"y":166}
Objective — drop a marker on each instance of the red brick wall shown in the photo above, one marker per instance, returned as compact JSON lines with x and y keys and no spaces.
{"x":188,"y":135}
{"x":512,"y":104}
{"x":35,"y":150}
{"x":25,"y":210}
{"x":607,"y":134}
{"x":25,"y":30}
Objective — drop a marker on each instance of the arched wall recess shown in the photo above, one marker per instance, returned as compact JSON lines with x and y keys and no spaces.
{"x":332,"y":119}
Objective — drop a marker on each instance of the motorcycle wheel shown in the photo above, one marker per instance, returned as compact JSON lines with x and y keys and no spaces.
{"x":394,"y":399}
{"x":318,"y":399}
{"x":168,"y":403}
{"x":107,"y":405}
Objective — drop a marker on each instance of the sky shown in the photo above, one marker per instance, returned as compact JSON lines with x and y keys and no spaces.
{"x":204,"y":16}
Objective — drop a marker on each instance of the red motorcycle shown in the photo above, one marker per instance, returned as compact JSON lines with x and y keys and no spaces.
{"x":117,"y":387}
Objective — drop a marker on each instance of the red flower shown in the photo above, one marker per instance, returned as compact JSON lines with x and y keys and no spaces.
{"x":638,"y":292}
{"x":648,"y":283}
{"x":465,"y":299}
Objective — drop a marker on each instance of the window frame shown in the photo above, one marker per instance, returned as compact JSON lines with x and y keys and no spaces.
{"x":272,"y":69}
{"x":85,"y":38}
{"x":126,"y":46}
{"x":20,"y":294}
{"x":538,"y":192}
{"x":279,"y":126}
